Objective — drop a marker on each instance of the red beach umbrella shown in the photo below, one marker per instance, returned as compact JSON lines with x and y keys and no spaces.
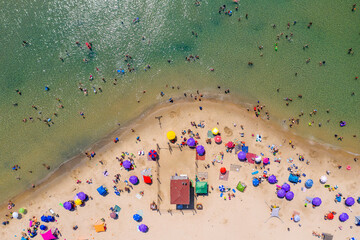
{"x":147,"y":179}
{"x":223,"y":170}
{"x":217,"y":139}
{"x":230,"y":144}
{"x":330,"y":216}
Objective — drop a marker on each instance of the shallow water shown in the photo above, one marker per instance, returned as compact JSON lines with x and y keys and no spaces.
{"x":223,"y":42}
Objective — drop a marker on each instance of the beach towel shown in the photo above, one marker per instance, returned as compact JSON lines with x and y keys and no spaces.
{"x":210,"y":134}
{"x":224,"y":177}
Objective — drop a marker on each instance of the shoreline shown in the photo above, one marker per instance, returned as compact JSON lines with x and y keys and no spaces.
{"x":103,"y":144}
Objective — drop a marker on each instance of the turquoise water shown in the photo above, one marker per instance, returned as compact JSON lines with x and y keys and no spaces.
{"x":224,"y":43}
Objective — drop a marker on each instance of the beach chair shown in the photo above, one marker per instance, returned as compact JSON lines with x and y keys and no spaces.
{"x":53,"y":213}
{"x":117,"y":209}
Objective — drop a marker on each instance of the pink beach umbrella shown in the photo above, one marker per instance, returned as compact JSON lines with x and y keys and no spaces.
{"x":217,"y":139}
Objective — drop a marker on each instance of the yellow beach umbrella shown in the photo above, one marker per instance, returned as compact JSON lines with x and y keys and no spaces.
{"x":78,"y":202}
{"x":171,"y":135}
{"x":215,"y":131}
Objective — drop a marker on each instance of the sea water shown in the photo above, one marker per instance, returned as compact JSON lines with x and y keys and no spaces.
{"x":153,"y":32}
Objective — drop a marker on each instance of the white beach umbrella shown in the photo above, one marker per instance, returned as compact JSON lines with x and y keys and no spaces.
{"x":258,"y":159}
{"x":296,"y":218}
{"x":323,"y":179}
{"x":15,"y":215}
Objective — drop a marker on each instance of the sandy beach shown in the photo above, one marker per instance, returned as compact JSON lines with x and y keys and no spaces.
{"x":245,"y":214}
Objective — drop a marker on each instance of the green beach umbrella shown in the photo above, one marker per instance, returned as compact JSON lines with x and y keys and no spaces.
{"x":22,"y":210}
{"x":201,"y":187}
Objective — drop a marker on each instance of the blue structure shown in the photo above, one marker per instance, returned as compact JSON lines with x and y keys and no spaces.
{"x":102,"y":191}
{"x":293,"y":178}
{"x":245,"y":149}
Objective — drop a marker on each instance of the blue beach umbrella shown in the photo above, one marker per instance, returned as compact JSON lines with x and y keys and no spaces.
{"x":137,"y":217}
{"x":222,"y":188}
{"x":256,"y":182}
{"x":309,"y":183}
{"x":43,"y":227}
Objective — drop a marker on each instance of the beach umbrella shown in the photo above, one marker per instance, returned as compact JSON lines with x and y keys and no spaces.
{"x":309,"y":183}
{"x":78,"y":202}
{"x":217,"y":139}
{"x":143,"y":228}
{"x":272,"y":179}
{"x":171,"y":135}
{"x":22,"y":210}
{"x":256,"y":182}
{"x":43,"y":227}
{"x":348,"y":202}
{"x":113,"y":215}
{"x":286,"y":187}
{"x":44,"y":218}
{"x":296,"y":218}
{"x":200,"y":150}
{"x":266,"y":161}
{"x":316,"y":201}
{"x":127,"y":164}
{"x":215,"y":131}
{"x":191,"y":142}
{"x":50,"y":218}
{"x":153,"y":154}
{"x":81,"y":196}
{"x":258,"y":159}
{"x":330,"y":216}
{"x":147,"y":179}
{"x":134,"y":180}
{"x":15,"y":215}
{"x":289,"y":195}
{"x":230,"y":144}
{"x":323,"y":179}
{"x":222,"y":188}
{"x":137,"y":217}
{"x":223,"y":170}
{"x":67,"y":205}
{"x":357,"y":220}
{"x":281,"y":193}
{"x":242,"y":155}
{"x":343,"y":217}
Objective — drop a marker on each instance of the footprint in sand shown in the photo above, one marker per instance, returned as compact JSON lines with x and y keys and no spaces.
{"x":228,"y":131}
{"x":173,"y":114}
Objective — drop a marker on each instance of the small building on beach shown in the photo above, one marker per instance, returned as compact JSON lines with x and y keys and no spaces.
{"x":180,"y":190}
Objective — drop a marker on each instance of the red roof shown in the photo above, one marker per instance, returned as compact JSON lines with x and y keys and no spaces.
{"x":180,"y":191}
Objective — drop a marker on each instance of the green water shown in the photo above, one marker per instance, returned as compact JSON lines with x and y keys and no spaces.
{"x":52,"y":28}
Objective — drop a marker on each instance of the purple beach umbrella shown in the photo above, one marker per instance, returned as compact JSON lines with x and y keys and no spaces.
{"x":316,"y":201}
{"x":200,"y":150}
{"x":343,"y":217}
{"x":286,"y":187}
{"x":242,"y":155}
{"x":143,"y":228}
{"x":349,"y":201}
{"x":127,"y":164}
{"x":272,"y":179}
{"x":81,"y":196}
{"x":67,"y":205}
{"x":289,"y":195}
{"x":281,"y":193}
{"x":134,"y":180}
{"x":191,"y":142}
